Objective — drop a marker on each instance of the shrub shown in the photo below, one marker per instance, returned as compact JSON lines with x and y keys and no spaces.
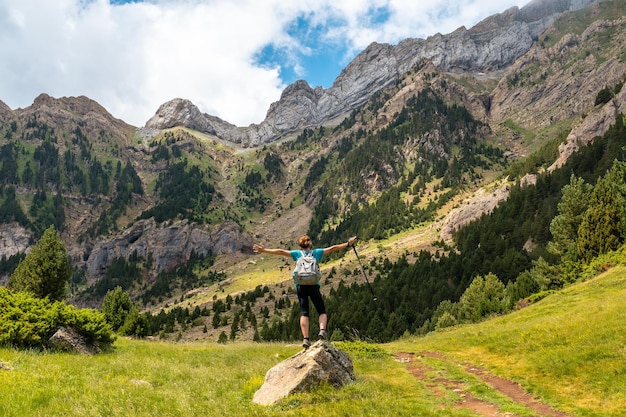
{"x":446,"y":306}
{"x":540,"y":296}
{"x":362,"y":348}
{"x":446,"y":320}
{"x":337,"y":336}
{"x":604,"y":96}
{"x":28,"y":322}
{"x":603,"y":263}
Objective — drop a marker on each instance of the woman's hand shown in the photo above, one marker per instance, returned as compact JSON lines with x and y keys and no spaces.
{"x":258,"y":248}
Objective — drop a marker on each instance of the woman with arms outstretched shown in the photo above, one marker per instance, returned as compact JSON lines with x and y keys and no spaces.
{"x":308,"y":291}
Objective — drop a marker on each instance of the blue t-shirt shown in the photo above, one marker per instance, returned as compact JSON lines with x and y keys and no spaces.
{"x":296,"y":254}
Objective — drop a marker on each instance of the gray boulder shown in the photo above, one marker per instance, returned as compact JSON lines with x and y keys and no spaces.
{"x":68,"y":340}
{"x":322,"y":362}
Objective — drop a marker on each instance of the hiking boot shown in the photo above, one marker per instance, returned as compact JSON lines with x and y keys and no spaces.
{"x":306,"y":343}
{"x":322,"y":334}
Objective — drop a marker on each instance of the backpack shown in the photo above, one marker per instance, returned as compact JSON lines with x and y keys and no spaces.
{"x":307,"y":272}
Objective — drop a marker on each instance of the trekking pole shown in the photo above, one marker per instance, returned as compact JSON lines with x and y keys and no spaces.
{"x":364,"y":274}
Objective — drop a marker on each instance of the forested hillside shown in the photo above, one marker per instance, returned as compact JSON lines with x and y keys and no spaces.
{"x":515,"y":243}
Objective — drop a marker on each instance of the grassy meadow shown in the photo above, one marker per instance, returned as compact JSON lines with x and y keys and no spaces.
{"x":569,"y":350}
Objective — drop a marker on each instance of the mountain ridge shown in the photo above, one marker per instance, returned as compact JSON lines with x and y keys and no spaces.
{"x":491,"y":45}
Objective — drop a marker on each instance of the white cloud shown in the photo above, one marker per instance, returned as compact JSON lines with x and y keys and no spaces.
{"x":132,"y":58}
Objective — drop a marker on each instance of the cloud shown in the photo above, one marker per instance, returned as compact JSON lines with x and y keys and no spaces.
{"x":132,"y":57}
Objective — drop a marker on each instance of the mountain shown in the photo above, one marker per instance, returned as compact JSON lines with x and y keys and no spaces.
{"x":408,"y":135}
{"x":67,"y":162}
{"x":491,"y":45}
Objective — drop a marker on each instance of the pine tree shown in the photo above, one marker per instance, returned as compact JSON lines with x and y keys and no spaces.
{"x":45,"y":271}
{"x":483,"y":297}
{"x":116,"y":306}
{"x":564,"y":227}
{"x":603,"y":227}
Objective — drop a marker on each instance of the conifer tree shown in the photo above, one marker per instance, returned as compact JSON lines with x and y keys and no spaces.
{"x":564,"y":227}
{"x":603,"y":227}
{"x":123,"y":314}
{"x":483,"y":297}
{"x":45,"y":271}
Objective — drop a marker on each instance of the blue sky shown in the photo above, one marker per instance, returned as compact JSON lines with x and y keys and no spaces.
{"x":232,"y":58}
{"x":319,"y":65}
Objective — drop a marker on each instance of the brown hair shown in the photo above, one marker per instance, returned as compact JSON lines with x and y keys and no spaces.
{"x":305,"y":242}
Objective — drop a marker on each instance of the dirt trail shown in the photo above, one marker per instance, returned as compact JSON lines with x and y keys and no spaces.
{"x":420,"y":369}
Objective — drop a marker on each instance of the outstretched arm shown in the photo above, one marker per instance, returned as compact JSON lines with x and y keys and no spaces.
{"x":340,"y":246}
{"x":262,"y":249}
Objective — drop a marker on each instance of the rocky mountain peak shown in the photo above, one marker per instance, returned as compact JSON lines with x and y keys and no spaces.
{"x":182,"y":112}
{"x":65,"y":111}
{"x":493,"y":44}
{"x":173,"y":113}
{"x":80,"y":106}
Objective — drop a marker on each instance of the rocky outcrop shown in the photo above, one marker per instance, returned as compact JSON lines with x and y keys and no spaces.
{"x":322,"y":362}
{"x":168,"y":246}
{"x":482,"y":202}
{"x":492,"y":44}
{"x":592,"y":126}
{"x":6,"y":115}
{"x":14,"y":239}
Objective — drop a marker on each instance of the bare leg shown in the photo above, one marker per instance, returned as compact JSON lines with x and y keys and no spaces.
{"x":323,"y":321}
{"x":304,"y":326}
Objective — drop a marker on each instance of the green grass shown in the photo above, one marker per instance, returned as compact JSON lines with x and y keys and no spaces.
{"x":568,"y":349}
{"x":143,"y":378}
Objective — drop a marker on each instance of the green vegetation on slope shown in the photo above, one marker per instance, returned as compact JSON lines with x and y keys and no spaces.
{"x":395,"y":161}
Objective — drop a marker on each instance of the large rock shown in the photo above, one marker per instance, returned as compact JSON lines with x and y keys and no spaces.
{"x":322,"y":362}
{"x":14,"y":239}
{"x":68,"y":340}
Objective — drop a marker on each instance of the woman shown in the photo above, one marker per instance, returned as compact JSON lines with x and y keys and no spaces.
{"x":308,"y":291}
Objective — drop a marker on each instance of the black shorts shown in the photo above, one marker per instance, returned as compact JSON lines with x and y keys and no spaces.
{"x":310,"y":291}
